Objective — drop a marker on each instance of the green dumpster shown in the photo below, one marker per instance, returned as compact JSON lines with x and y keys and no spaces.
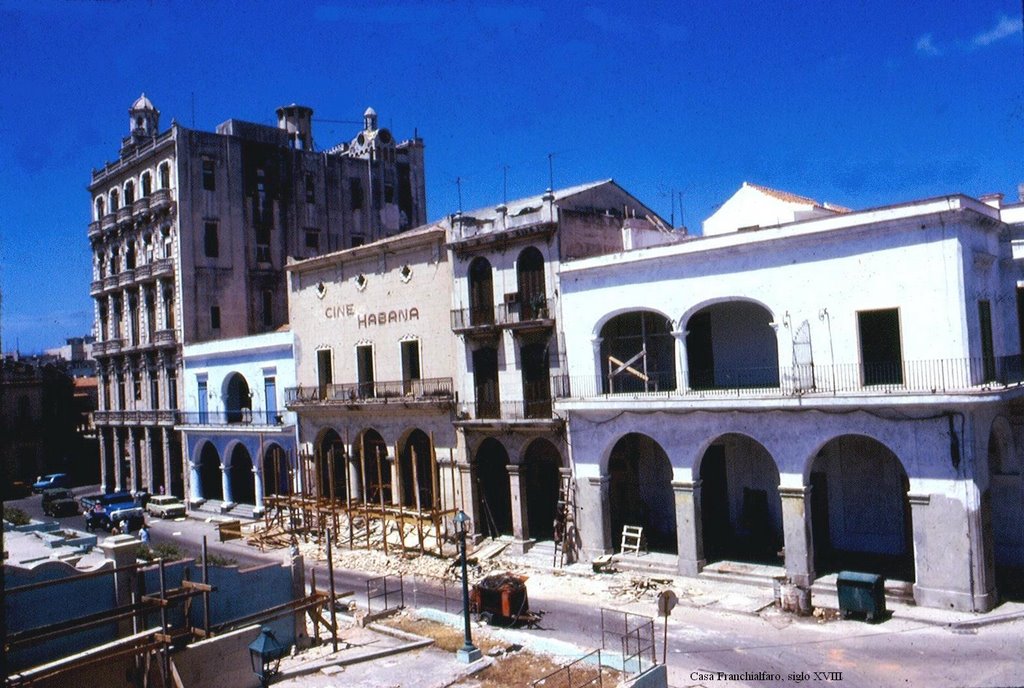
{"x":862,"y":593}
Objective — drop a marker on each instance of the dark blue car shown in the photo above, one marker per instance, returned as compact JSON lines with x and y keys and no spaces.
{"x":46,"y":482}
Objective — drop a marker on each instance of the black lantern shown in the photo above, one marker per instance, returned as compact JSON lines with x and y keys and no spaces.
{"x":469,"y":652}
{"x":265,"y":653}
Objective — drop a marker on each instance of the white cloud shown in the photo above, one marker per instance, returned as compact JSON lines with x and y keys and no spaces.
{"x":926,"y":46}
{"x":1004,"y":27}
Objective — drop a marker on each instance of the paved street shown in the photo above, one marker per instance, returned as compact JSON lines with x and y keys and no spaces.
{"x":709,"y":641}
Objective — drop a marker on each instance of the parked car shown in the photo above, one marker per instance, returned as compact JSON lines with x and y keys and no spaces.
{"x":59,"y":501}
{"x":165,"y":506}
{"x":45,"y":482}
{"x":110,"y":516}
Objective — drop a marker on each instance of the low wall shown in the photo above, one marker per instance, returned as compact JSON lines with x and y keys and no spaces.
{"x":217,"y":662}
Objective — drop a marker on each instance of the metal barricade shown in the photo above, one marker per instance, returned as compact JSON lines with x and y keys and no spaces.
{"x":384,"y":588}
{"x":632,"y":635}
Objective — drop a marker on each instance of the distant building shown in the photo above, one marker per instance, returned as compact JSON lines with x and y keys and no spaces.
{"x":77,"y":354}
{"x":190,"y":233}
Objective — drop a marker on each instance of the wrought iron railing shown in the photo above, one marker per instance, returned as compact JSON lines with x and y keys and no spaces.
{"x":504,"y":410}
{"x":425,"y":390}
{"x":243,"y":416}
{"x":907,"y":377}
{"x":532,"y":310}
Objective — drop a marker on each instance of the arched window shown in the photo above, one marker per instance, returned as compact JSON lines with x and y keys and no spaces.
{"x":165,"y":176}
{"x":100,"y":208}
{"x":114,"y":197}
{"x":129,"y":192}
{"x":147,"y":184}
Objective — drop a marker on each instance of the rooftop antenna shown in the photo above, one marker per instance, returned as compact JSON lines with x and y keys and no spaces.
{"x":458,"y":185}
{"x":682,"y":218}
{"x":551,"y":172}
{"x":193,"y":109}
{"x":504,"y":186}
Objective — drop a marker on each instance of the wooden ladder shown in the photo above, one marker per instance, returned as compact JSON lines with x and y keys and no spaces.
{"x":565,"y":518}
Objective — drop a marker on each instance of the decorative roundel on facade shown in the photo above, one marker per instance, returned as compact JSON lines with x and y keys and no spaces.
{"x":361,"y":282}
{"x":321,"y":290}
{"x":406,"y":273}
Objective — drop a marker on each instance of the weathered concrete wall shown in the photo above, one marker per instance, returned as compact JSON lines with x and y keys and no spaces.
{"x":220,"y":661}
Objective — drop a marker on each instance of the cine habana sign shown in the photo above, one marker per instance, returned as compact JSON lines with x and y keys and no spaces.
{"x":347,"y":311}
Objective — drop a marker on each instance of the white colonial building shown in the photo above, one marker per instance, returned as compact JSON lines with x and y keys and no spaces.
{"x":809,"y":388}
{"x":239,"y":438}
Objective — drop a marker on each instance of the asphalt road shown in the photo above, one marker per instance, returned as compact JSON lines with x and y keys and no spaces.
{"x":708,"y":647}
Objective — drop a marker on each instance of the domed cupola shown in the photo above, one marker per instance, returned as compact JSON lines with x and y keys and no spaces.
{"x":144,"y":119}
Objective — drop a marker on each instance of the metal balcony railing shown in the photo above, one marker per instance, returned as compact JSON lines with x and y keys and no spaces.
{"x":244,"y":416}
{"x":908,"y":377}
{"x":537,"y":310}
{"x":439,"y":389}
{"x":534,"y":409}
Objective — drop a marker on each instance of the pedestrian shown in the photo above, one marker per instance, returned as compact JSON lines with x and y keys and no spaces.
{"x":122,"y":527}
{"x":144,"y":534}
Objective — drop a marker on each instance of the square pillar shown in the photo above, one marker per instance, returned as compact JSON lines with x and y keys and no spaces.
{"x":520,"y":516}
{"x":949,"y":563}
{"x":118,"y":459}
{"x":595,"y":523}
{"x":689,"y":527}
{"x":165,"y":440}
{"x":147,"y":460}
{"x":796,"y":530}
{"x":101,"y":434}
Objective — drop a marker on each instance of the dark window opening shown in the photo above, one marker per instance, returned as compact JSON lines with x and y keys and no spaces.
{"x":215,"y":317}
{"x":324,"y":373}
{"x":310,"y":189}
{"x":129,"y":193}
{"x":355,"y":193}
{"x":410,"y":363}
{"x":389,"y":193}
{"x":364,"y":369}
{"x":165,"y":176}
{"x":358,"y":241}
{"x":880,"y":350}
{"x":536,"y":380}
{"x":485,"y":377}
{"x":313,"y":239}
{"x":209,"y":181}
{"x":988,"y":356}
{"x":147,"y":185}
{"x":211,"y":245}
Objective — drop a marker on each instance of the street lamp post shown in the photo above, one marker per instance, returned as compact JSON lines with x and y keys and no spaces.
{"x":469,"y":652}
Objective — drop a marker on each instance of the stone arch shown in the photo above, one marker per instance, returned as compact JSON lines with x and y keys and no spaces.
{"x":331,"y":469}
{"x":237,"y":399}
{"x":240,"y":475}
{"x":368,"y":447}
{"x":860,"y":511}
{"x":494,"y":494}
{"x":741,"y":512}
{"x":210,"y":477}
{"x":640,"y":491}
{"x":481,"y":292}
{"x":277,"y":470}
{"x":643,"y":339}
{"x":541,"y":466}
{"x":416,"y":474}
{"x":731,"y":343}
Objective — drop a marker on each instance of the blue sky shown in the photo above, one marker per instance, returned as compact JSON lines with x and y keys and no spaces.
{"x":860,"y":104}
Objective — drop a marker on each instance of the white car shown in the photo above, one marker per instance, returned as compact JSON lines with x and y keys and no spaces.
{"x":165,"y":506}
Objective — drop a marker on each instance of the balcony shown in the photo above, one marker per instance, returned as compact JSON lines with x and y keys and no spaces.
{"x":513,"y":315}
{"x":490,"y":412}
{"x":160,"y":200}
{"x":128,"y":417}
{"x":140,"y":208}
{"x":164,"y":338}
{"x":164,"y":267}
{"x":438,"y":390}
{"x":96,"y":287}
{"x":938,"y":376}
{"x":125,"y":277}
{"x":107,"y":347}
{"x":241,"y":417}
{"x":95,"y":229}
{"x":110,"y":282}
{"x":143,"y":272}
{"x":124,"y":215}
{"x":108,"y":221}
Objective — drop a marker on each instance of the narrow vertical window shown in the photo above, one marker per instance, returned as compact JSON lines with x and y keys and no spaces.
{"x":165,"y":176}
{"x":880,"y":349}
{"x":211,"y":245}
{"x":310,"y":189}
{"x":410,"y":365}
{"x":988,"y":356}
{"x":209,"y":181}
{"x":215,"y":317}
{"x":364,"y":370}
{"x":355,"y":193}
{"x":324,"y":372}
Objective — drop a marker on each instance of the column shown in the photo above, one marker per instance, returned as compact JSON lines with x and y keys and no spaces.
{"x":353,"y":465}
{"x":225,"y":482}
{"x":257,"y":481}
{"x":133,"y":461}
{"x":796,"y":529}
{"x":595,"y":519}
{"x":101,"y":434}
{"x":393,"y":464}
{"x":165,"y":439}
{"x":193,"y":483}
{"x":689,"y":527}
{"x":682,"y":371}
{"x":520,"y":516}
{"x":118,"y":459}
{"x":147,"y":460}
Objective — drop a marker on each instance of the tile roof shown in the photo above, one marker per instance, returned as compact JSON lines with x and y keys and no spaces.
{"x":794,"y":198}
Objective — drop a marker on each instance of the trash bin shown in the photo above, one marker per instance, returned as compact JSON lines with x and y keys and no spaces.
{"x":862,"y":593}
